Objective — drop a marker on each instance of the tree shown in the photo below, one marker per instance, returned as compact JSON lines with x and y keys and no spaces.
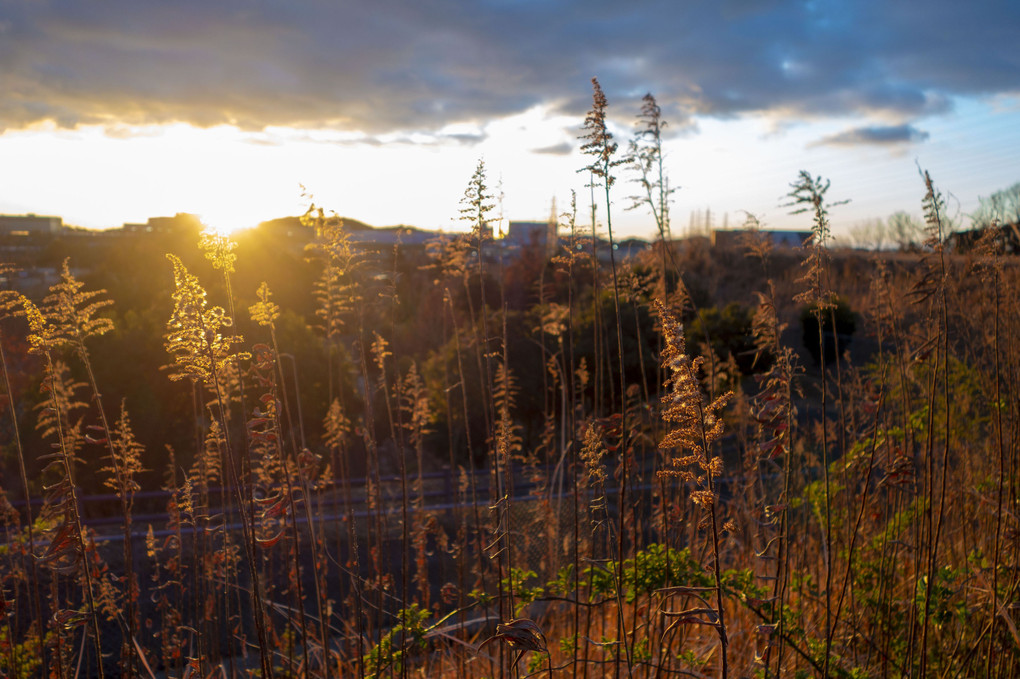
{"x":870,"y":234}
{"x":905,"y":230}
{"x":1003,"y":205}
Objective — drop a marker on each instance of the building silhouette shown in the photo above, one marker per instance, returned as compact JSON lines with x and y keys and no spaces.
{"x":29,"y":225}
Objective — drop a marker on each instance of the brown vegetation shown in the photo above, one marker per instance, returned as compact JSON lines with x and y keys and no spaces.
{"x":450,"y":462}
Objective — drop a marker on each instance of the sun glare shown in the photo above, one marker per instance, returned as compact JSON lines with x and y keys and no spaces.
{"x":228,"y":177}
{"x":225,"y":222}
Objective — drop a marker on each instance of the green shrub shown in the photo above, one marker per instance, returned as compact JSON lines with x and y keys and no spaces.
{"x":728,"y":331}
{"x":394,"y":646}
{"x":657,"y":568}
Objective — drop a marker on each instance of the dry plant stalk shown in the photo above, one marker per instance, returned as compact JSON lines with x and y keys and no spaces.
{"x":697,"y":424}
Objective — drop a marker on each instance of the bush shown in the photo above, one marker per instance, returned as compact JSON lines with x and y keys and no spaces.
{"x":729,"y":333}
{"x":840,"y":316}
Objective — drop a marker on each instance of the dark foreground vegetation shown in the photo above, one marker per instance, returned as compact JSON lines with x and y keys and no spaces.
{"x":451,"y":461}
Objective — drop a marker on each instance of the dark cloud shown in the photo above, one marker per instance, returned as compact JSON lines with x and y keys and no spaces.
{"x":877,"y":135}
{"x":465,"y":138}
{"x":561,"y":149}
{"x":384,"y":66}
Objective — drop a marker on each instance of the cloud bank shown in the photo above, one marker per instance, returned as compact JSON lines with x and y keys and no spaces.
{"x":879,"y":135}
{"x":391,"y":67}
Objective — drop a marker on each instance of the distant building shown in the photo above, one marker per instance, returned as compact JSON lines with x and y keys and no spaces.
{"x":29,"y":225}
{"x":1005,"y":237}
{"x":606,"y":253}
{"x":631,"y":246}
{"x":541,"y":235}
{"x":182,"y":221}
{"x":396,"y":235}
{"x":729,"y":238}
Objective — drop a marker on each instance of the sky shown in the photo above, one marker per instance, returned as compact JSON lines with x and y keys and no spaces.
{"x":247,"y":110}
